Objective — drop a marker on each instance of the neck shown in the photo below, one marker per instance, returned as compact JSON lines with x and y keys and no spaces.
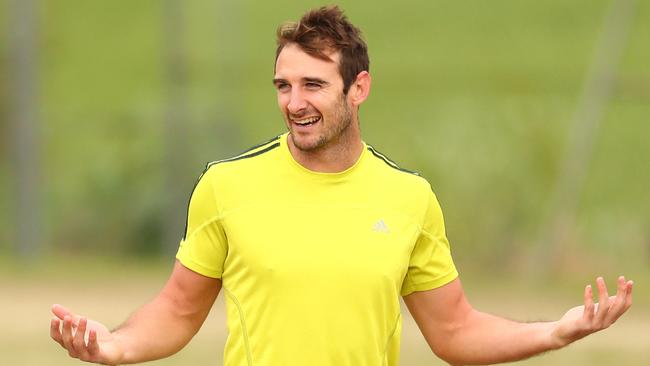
{"x":335,"y":157}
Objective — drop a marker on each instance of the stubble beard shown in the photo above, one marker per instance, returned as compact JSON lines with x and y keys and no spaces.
{"x":343,"y":114}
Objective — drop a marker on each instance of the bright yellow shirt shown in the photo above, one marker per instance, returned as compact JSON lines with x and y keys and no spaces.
{"x":313,"y":264}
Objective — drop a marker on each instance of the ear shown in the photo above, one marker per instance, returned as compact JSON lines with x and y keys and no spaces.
{"x":360,"y":89}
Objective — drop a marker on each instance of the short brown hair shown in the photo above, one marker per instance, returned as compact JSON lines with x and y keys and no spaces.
{"x":324,"y":30}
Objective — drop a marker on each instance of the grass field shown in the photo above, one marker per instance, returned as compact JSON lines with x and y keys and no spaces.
{"x":110,"y":291}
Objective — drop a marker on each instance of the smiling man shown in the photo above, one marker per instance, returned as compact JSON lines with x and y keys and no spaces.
{"x":319,"y":90}
{"x":314,"y":236}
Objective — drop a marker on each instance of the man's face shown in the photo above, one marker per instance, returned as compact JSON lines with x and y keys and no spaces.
{"x":310,"y":96}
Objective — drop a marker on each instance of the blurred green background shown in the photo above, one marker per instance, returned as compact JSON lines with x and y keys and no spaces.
{"x":530,"y":120}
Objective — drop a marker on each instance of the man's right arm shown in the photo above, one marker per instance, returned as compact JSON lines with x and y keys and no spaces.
{"x":157,"y":330}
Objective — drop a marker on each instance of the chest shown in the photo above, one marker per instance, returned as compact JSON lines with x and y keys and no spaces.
{"x":278,"y":243}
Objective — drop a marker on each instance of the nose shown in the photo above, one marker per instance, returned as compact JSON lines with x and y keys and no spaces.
{"x":296,"y":102}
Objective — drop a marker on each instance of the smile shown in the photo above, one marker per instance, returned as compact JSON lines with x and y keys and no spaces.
{"x":306,"y":121}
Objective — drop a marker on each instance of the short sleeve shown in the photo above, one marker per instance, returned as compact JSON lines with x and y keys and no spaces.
{"x":204,"y":247}
{"x":430,"y":264}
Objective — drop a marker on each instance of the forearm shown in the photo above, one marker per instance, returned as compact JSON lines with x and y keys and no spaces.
{"x":157,"y":330}
{"x":486,"y":339}
{"x":461,"y":335}
{"x":166,"y":324}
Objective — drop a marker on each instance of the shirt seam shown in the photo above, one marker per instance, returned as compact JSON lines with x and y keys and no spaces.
{"x":242,"y":320}
{"x":192,"y":264}
{"x":208,"y":222}
{"x":436,"y":282}
{"x":392,"y":334}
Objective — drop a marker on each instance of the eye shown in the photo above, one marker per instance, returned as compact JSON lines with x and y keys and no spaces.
{"x":312,"y":86}
{"x":282,"y":87}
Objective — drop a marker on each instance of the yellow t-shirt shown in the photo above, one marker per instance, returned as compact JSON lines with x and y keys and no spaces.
{"x":313,"y":264}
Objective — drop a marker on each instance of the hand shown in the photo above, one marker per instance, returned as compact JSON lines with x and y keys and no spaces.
{"x":589,"y":318}
{"x":84,"y":339}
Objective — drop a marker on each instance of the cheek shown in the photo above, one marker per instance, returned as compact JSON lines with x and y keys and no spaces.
{"x":317,"y":104}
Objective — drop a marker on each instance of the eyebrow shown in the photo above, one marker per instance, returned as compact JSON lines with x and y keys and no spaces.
{"x":315,"y":80}
{"x":277,"y":81}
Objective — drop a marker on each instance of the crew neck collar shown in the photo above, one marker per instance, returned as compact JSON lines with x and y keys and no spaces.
{"x":284,"y":146}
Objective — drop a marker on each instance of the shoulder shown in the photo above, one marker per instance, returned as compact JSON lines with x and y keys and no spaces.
{"x":248,"y":154}
{"x":394,"y":174}
{"x":253,"y":159}
{"x":403,"y":189}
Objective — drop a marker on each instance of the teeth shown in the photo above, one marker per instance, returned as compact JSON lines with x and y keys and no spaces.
{"x":306,"y":121}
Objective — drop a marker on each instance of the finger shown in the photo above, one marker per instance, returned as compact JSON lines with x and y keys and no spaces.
{"x":61,"y":312}
{"x":628,"y":294}
{"x":588,"y":313}
{"x":55,"y":333}
{"x":616,"y":301}
{"x":93,"y":346}
{"x":621,"y":302}
{"x":79,"y":343}
{"x":603,"y":301}
{"x":621,"y":287}
{"x":67,"y":336}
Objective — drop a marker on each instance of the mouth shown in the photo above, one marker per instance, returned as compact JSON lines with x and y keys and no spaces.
{"x":308,"y":121}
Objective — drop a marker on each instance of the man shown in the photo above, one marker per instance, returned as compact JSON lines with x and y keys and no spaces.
{"x":313,"y":236}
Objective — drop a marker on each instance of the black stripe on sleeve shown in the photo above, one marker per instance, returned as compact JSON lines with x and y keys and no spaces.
{"x":246,"y":156}
{"x":238,"y":157}
{"x":187,"y":215}
{"x":389,"y":162}
{"x":260,"y":145}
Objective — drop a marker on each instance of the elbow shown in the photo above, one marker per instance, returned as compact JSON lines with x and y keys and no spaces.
{"x":454,"y":358}
{"x":446,"y":355}
{"x":449,"y":345}
{"x":445,"y":348}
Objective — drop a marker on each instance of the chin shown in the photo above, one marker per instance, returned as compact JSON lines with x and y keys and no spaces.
{"x":306,"y":143}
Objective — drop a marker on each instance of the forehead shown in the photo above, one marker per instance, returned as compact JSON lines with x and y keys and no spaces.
{"x":293,"y":62}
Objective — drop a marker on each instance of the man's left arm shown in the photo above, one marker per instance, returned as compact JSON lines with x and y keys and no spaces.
{"x":461,"y":335}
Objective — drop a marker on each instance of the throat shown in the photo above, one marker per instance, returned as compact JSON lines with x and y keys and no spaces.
{"x":332,"y":158}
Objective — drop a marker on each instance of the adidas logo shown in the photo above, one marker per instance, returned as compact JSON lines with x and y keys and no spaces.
{"x":380,"y":226}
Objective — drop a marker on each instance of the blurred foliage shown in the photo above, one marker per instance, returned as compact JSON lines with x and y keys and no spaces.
{"x":477,"y":96}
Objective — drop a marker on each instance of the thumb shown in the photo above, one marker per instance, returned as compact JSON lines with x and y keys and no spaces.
{"x":61,"y":312}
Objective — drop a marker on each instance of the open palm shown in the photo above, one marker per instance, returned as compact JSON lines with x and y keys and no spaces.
{"x":591,"y":317}
{"x":85,"y":339}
